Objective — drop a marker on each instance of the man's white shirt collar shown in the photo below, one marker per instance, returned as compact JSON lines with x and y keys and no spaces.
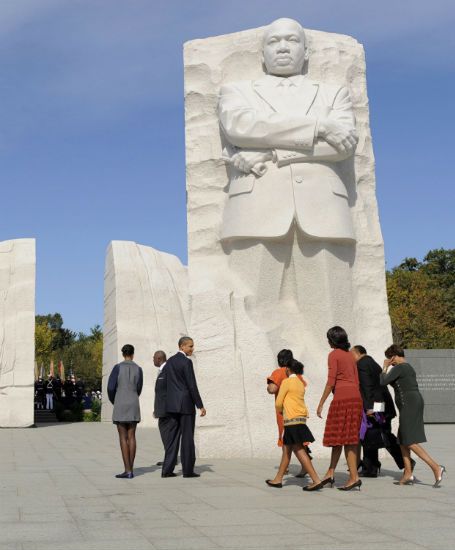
{"x":162,"y":366}
{"x":279,"y":80}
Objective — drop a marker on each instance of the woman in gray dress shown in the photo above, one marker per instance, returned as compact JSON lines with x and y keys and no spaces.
{"x":124,"y":388}
{"x":411,"y":432}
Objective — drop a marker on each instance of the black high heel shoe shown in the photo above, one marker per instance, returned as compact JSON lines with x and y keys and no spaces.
{"x":276,"y":485}
{"x":437,"y":483}
{"x":328,"y":480}
{"x":308,"y":488}
{"x":355,"y":485}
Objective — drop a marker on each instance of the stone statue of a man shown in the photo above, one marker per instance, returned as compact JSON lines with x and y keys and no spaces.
{"x":287,"y":221}
{"x":288,"y":134}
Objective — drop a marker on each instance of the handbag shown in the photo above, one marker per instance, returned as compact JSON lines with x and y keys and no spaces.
{"x":375,"y":436}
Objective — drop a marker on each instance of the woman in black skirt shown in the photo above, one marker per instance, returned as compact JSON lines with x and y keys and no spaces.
{"x":291,"y":402}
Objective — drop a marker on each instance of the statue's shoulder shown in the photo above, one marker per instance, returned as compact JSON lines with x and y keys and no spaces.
{"x":239,"y":85}
{"x":331,"y":89}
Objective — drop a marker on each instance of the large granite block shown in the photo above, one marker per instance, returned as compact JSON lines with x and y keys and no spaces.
{"x":146,"y":305}
{"x":269,"y":267}
{"x":17,"y":332}
{"x":237,"y":327}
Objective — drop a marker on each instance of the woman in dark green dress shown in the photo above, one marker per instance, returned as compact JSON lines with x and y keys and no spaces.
{"x":402,"y":377}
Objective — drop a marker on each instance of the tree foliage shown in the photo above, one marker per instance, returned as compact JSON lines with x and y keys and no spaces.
{"x":422,"y":300}
{"x":81,"y":354}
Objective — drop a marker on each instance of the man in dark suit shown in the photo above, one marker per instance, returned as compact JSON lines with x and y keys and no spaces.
{"x":182,"y":397}
{"x":372,"y":391}
{"x":159,"y":409}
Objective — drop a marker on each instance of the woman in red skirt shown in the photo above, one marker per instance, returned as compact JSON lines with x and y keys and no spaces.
{"x":345,"y":412}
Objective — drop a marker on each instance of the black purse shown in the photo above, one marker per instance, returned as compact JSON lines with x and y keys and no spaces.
{"x":375,"y":436}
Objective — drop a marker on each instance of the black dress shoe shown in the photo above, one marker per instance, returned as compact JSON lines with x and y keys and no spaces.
{"x":159,"y":463}
{"x":194,"y":474}
{"x":171,"y":474}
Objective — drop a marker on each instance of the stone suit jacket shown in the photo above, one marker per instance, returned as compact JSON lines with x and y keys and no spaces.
{"x":303,"y":183}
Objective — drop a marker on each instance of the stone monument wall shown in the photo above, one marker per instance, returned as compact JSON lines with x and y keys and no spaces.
{"x":233,"y":353}
{"x":146,"y":305}
{"x":17,"y":332}
{"x":435,"y":369}
{"x":151,"y":300}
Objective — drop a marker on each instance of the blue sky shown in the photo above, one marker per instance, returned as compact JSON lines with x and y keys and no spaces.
{"x":92,"y":130}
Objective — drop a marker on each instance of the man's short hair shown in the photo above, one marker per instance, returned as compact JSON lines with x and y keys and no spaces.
{"x":393,"y":350}
{"x":360,"y":349}
{"x":160,"y":354}
{"x":128,"y":350}
{"x":183,"y":340}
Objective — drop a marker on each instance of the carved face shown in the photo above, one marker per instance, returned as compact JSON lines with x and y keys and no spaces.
{"x":284,"y":49}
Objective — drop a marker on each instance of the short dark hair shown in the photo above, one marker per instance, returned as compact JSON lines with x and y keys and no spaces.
{"x":360,"y":349}
{"x":338,"y":338}
{"x":160,"y":353}
{"x":184,"y":339}
{"x":393,"y":350}
{"x":296,"y":367}
{"x":128,"y":350}
{"x":285,"y":357}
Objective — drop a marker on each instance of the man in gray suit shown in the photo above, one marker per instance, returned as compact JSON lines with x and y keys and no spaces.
{"x":285,"y":139}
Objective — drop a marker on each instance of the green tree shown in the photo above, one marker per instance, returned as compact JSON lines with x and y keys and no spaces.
{"x":422,"y":301}
{"x":43,"y":343}
{"x":81,"y":353}
{"x":439,"y":264}
{"x":85,"y":357}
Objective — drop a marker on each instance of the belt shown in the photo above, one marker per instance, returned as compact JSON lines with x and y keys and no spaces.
{"x":293,"y":421}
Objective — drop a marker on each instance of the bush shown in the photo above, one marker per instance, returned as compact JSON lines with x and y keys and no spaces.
{"x":95,"y":414}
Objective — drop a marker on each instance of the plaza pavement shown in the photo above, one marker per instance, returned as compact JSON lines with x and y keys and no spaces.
{"x":58,"y":492}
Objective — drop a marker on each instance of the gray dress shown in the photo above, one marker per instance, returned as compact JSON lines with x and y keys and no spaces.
{"x":124,"y":388}
{"x":409,"y":402}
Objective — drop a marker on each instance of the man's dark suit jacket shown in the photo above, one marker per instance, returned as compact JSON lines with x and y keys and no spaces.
{"x":370,"y":386}
{"x":182,"y":394}
{"x":159,"y":410}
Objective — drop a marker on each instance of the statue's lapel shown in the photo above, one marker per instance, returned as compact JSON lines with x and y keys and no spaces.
{"x":299,"y":102}
{"x":304,"y":98}
{"x":267,"y":89}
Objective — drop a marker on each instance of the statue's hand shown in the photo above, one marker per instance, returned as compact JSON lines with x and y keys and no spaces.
{"x":245,"y":161}
{"x":343,"y":139}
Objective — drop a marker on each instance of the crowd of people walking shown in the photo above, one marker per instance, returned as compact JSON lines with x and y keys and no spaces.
{"x":358,"y":420}
{"x":359,"y":416}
